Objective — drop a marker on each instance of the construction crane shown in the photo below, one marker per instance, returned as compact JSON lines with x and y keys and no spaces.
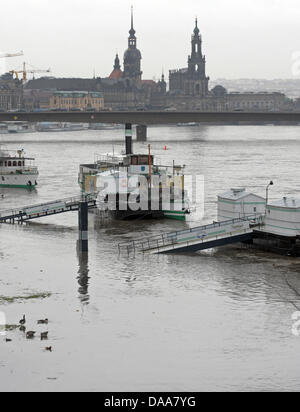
{"x":26,"y":71}
{"x":3,"y":56}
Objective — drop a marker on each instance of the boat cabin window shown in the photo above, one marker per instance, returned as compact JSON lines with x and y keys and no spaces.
{"x":140,"y":160}
{"x":15,"y":163}
{"x":19,"y":163}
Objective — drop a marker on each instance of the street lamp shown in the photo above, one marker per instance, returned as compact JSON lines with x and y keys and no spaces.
{"x":267,"y":193}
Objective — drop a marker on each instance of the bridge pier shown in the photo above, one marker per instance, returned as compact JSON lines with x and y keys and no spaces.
{"x":141,"y":133}
{"x":83,"y":219}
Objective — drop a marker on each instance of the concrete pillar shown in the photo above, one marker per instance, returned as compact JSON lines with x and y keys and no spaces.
{"x":83,"y":219}
{"x":141,"y":133}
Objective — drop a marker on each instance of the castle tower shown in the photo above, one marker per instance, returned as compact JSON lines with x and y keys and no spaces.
{"x":132,"y":59}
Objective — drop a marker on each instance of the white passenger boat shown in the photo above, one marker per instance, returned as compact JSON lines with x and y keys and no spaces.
{"x":17,"y":171}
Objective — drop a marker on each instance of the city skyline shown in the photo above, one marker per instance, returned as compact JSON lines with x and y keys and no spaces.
{"x":95,"y":31}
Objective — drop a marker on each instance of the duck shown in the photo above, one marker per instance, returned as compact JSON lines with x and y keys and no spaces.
{"x":44,"y":335}
{"x":30,"y":335}
{"x":43,"y":322}
{"x":23,"y":321}
{"x":49,"y":349}
{"x":8,"y":340}
{"x":22,"y":329}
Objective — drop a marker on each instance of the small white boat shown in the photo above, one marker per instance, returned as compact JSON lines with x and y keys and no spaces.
{"x":190,"y":124}
{"x":17,"y":171}
{"x":61,"y":127}
{"x":20,"y":127}
{"x":3,"y":128}
{"x":105,"y":126}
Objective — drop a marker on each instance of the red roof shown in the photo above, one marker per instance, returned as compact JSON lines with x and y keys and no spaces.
{"x":116,"y":74}
{"x":149,"y":83}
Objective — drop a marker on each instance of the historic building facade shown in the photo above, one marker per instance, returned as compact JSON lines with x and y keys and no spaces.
{"x":189,"y":89}
{"x":77,"y":101}
{"x":11,"y":93}
{"x":122,"y":89}
{"x":192,"y":81}
{"x":125,"y":88}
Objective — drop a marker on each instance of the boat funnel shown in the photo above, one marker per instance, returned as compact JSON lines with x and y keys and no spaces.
{"x":128,"y":137}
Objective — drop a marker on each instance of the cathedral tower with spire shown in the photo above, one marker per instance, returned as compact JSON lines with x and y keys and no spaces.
{"x":132,"y":59}
{"x":192,"y":81}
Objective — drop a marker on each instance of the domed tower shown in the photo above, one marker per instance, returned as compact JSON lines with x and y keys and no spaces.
{"x":132,"y":58}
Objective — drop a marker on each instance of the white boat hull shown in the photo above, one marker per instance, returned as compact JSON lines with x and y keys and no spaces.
{"x":21,"y":181}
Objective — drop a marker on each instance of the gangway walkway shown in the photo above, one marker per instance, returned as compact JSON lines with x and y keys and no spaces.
{"x":197,"y":238}
{"x":27,"y":213}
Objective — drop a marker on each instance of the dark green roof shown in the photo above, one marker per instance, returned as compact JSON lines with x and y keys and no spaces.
{"x":78,"y":94}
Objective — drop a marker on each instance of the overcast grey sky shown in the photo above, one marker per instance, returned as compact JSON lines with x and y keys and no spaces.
{"x":241,"y":38}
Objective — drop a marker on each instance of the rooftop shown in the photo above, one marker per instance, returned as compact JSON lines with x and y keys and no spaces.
{"x":237,"y":194}
{"x":77,"y":93}
{"x":286,"y":202}
{"x":116,"y":74}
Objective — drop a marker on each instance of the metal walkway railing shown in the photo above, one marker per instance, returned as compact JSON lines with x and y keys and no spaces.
{"x":23,"y":214}
{"x":189,"y":238}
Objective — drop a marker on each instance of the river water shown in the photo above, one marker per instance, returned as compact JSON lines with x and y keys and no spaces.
{"x":216,"y":320}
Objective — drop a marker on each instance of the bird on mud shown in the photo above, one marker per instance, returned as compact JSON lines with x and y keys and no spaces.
{"x":44,"y":335}
{"x":23,"y":320}
{"x":48,"y":349}
{"x":43,"y":322}
{"x":30,"y":335}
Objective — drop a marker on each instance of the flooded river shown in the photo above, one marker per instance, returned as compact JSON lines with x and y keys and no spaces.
{"x":216,"y":320}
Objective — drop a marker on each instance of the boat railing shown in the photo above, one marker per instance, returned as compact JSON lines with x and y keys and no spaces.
{"x":108,"y":158}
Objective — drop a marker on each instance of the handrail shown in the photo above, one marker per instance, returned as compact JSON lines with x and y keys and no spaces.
{"x":67,"y":201}
{"x":171,"y":237}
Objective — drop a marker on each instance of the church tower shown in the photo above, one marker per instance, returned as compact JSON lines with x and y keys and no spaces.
{"x":132,"y":59}
{"x":117,"y":73}
{"x":117,"y":65}
{"x":197,"y":82}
